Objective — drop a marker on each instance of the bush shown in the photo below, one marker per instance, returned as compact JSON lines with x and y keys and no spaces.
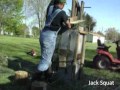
{"x":3,"y":60}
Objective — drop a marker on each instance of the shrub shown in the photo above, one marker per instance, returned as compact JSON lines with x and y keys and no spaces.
{"x":3,"y":60}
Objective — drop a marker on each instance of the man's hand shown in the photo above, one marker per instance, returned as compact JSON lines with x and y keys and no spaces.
{"x":68,"y":24}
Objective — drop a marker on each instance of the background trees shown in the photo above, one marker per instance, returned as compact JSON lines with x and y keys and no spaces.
{"x":90,"y":23}
{"x":36,"y":9}
{"x":33,"y":12}
{"x":35,"y":31}
{"x":10,"y":15}
{"x":112,"y":34}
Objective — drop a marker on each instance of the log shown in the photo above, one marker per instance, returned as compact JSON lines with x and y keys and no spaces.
{"x":21,"y":75}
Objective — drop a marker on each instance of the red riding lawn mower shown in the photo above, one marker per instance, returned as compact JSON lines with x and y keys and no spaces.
{"x":104,"y":59}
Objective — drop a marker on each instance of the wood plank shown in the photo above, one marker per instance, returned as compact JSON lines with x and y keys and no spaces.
{"x":74,"y":18}
{"x":83,"y":32}
{"x":76,"y":22}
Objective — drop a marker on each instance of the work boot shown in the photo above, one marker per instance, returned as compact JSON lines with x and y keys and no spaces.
{"x":49,"y":76}
{"x":38,"y":76}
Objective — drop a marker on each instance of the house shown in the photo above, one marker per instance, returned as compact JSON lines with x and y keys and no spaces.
{"x":93,"y":37}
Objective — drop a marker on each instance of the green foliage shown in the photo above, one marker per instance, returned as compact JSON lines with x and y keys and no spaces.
{"x":10,"y":15}
{"x":89,"y":22}
{"x":35,"y":31}
{"x":21,"y":29}
{"x":100,"y":33}
{"x":3,"y":60}
{"x":37,"y":8}
{"x":112,"y":34}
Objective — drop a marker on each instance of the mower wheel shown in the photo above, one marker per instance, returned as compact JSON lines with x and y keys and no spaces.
{"x":101,"y":62}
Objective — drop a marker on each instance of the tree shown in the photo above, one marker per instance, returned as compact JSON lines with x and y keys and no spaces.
{"x":89,"y":22}
{"x":35,"y":31}
{"x":22,"y":30}
{"x":10,"y":14}
{"x":112,"y":34}
{"x":38,"y":8}
{"x":118,"y":36}
{"x":99,"y":32}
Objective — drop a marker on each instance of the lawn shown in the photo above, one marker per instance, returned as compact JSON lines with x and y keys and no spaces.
{"x":15,"y":48}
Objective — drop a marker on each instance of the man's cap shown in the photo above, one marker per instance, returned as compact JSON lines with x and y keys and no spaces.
{"x":62,"y":1}
{"x":59,"y":1}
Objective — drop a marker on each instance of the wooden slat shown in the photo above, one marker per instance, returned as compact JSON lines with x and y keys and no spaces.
{"x":76,"y":22}
{"x":83,"y":32}
{"x":73,"y":18}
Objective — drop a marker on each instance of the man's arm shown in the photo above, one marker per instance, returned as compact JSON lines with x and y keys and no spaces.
{"x":65,"y":19}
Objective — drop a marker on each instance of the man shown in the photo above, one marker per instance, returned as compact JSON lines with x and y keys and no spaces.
{"x":55,"y":19}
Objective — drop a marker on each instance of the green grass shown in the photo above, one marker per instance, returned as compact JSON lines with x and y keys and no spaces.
{"x":15,"y":49}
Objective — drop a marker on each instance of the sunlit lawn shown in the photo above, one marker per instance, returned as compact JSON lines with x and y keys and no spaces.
{"x":15,"y":49}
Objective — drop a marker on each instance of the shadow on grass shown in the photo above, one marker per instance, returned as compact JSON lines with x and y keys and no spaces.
{"x":81,"y":84}
{"x":15,"y":64}
{"x":89,"y":64}
{"x":14,"y":86}
{"x":85,"y":79}
{"x":19,"y":64}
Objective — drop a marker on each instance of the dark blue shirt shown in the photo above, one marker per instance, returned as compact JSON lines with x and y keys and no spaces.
{"x":58,"y":20}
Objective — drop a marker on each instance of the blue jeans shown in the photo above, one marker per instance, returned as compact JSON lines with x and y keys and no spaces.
{"x":47,"y":42}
